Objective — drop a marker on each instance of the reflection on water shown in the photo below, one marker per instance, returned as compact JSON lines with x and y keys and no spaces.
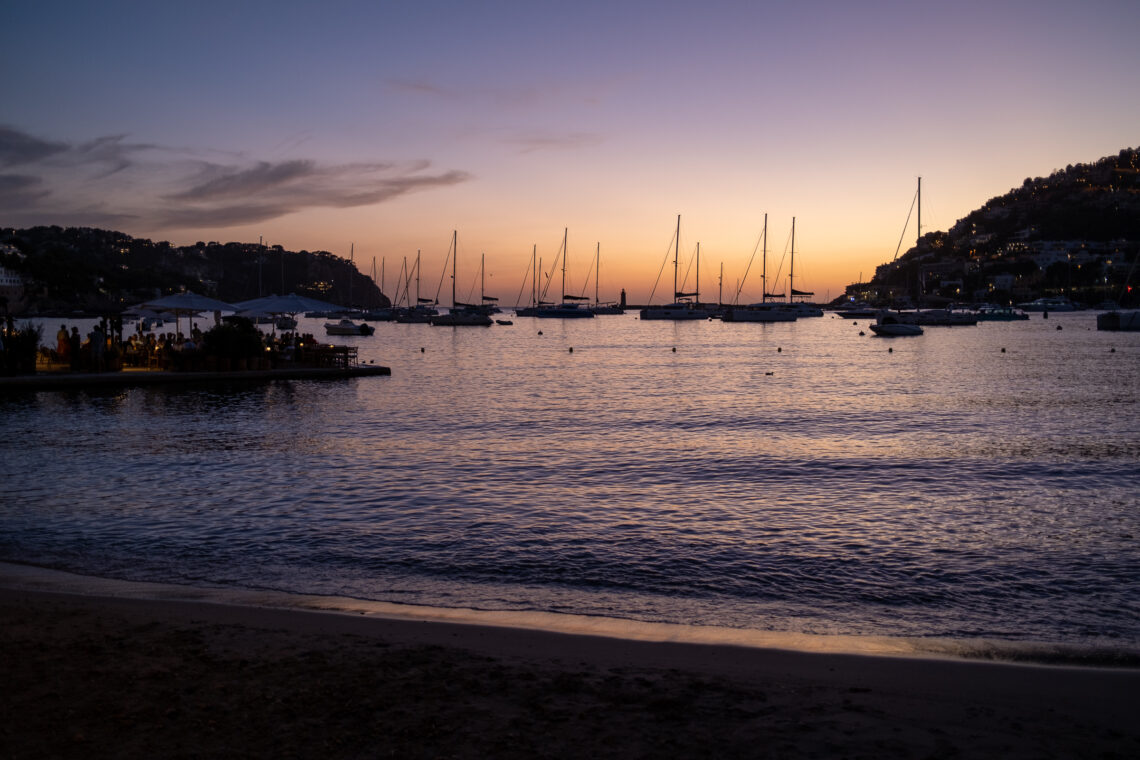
{"x":788,"y":477}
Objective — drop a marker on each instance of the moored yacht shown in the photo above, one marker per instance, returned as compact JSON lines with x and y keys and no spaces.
{"x":460,"y":314}
{"x":572,"y":307}
{"x":685,"y":305}
{"x":888,"y":325}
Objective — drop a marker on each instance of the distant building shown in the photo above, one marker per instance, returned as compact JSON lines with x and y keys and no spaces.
{"x":11,"y":290}
{"x":1002,"y":282}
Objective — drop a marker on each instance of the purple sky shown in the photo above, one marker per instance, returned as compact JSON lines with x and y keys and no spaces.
{"x":387,"y":125}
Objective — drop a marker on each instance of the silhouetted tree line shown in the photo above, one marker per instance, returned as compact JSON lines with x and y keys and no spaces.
{"x":81,"y":268}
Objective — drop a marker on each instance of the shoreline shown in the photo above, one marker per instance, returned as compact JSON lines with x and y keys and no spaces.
{"x":19,"y":576}
{"x":101,"y":674}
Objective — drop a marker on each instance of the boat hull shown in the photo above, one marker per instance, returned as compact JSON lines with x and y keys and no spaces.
{"x":759,"y":315}
{"x":1119,"y":321}
{"x":675,"y":312}
{"x":348,"y":329}
{"x":896,"y":330}
{"x":461,"y":319}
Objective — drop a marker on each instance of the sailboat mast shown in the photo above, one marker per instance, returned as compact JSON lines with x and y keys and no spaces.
{"x":565,"y":230}
{"x":698,"y":271}
{"x":792,"y":266}
{"x":597,"y":270}
{"x":916,"y":242}
{"x":454,"y":256}
{"x":482,"y":279}
{"x":351,"y":254}
{"x":676,"y":255}
{"x":417,"y":277}
{"x":533,"y":274}
{"x":764,"y":272}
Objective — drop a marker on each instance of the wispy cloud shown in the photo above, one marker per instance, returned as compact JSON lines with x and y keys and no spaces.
{"x":533,"y":142}
{"x":62,"y":183}
{"x":231,"y":195}
{"x":501,"y":96}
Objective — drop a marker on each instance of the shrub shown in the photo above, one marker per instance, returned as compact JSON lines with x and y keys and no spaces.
{"x":235,"y":339}
{"x":20,"y":347}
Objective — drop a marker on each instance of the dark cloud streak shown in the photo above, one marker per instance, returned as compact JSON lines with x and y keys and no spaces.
{"x":207,"y":195}
{"x":18,"y":147}
{"x":19,"y":191}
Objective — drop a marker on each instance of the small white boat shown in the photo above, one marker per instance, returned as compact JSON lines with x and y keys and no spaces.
{"x":991,"y":313}
{"x":348,"y":327}
{"x":889,"y":326}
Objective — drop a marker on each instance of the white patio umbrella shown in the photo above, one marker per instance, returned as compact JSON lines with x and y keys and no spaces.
{"x":291,"y":304}
{"x":187,"y":303}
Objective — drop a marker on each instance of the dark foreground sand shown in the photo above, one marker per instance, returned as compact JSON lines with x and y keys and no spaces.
{"x":88,"y":676}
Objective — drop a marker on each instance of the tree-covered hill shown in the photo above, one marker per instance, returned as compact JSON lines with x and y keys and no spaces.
{"x":85,"y":269}
{"x":1074,"y":233}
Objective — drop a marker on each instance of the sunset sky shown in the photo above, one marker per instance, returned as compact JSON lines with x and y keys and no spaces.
{"x":384,"y":126}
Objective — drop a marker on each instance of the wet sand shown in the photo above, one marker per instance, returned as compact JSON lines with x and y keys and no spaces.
{"x":115,"y":676}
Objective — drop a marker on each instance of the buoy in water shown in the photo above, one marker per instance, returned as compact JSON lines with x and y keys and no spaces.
{"x":674,"y":349}
{"x":571,"y":349}
{"x":890,"y":350}
{"x":540,"y":332}
{"x":769,"y":373}
{"x":779,"y":350}
{"x":1003,"y":350}
{"x":421,"y":349}
{"x":862,"y":333}
{"x":1112,"y":350}
{"x":1058,"y":327}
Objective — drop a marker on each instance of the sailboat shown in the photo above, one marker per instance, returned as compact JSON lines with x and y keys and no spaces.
{"x":763,"y":311}
{"x":801,"y":308}
{"x":569,"y":308}
{"x":460,"y":314}
{"x":532,"y":310}
{"x":680,"y":308}
{"x":599,"y":307}
{"x":424,"y":308}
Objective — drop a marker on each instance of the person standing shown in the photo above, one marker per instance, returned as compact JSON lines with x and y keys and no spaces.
{"x":98,"y":345}
{"x":63,"y":344}
{"x":74,"y":345}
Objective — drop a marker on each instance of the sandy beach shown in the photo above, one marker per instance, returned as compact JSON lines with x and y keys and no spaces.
{"x":107,"y":675}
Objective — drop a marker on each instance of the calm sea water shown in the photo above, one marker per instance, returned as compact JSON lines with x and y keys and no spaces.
{"x":790,"y":477}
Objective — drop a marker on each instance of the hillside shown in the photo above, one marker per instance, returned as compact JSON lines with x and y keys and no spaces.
{"x":1074,"y":233}
{"x":84,"y":269}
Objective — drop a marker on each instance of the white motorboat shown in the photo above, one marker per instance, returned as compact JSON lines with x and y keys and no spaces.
{"x":348,"y":327}
{"x":888,"y":325}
